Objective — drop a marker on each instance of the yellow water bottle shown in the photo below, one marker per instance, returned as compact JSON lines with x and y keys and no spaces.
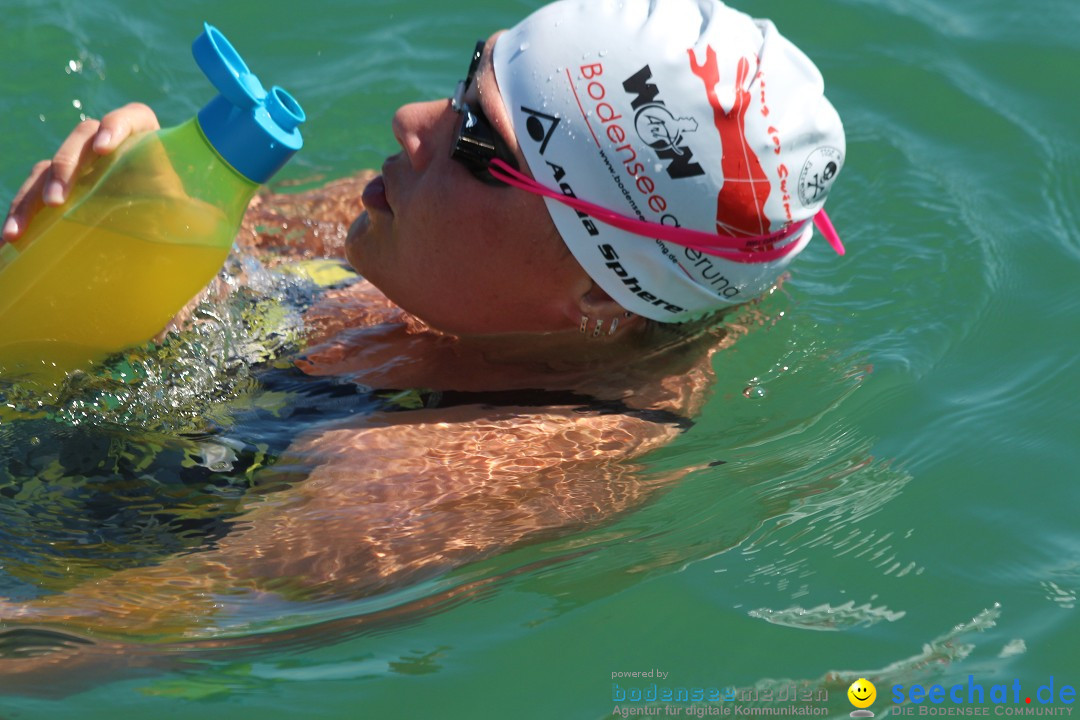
{"x":144,"y":229}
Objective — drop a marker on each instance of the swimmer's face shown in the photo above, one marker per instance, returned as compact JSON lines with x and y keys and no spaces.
{"x":464,"y":256}
{"x":862,"y":693}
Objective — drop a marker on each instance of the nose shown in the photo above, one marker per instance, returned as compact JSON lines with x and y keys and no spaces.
{"x":419,"y":127}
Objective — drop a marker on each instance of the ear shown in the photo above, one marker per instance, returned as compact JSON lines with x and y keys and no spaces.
{"x":588,"y":303}
{"x":596,"y":303}
{"x":602,"y":315}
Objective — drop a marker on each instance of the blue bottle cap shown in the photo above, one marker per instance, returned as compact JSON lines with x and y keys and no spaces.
{"x":255,"y":131}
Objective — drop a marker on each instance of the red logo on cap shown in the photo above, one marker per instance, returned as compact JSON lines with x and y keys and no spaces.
{"x":740,"y":204}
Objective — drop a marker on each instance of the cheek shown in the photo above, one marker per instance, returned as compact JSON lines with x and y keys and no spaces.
{"x":463,"y":256}
{"x":441,"y":246}
{"x":448,"y":228}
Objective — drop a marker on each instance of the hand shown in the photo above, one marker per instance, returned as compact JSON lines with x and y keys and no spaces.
{"x":50,"y":180}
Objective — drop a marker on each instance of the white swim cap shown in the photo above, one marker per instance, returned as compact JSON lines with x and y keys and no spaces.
{"x":685,"y":113}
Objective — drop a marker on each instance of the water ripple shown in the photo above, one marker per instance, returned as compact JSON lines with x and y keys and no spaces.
{"x":828,"y":617}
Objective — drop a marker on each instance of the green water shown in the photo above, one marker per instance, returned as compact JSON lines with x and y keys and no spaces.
{"x":898,"y":497}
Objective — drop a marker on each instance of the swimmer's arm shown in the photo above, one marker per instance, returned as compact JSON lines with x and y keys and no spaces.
{"x":384,"y":507}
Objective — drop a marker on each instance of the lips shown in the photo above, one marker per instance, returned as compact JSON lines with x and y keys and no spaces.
{"x":374,"y":196}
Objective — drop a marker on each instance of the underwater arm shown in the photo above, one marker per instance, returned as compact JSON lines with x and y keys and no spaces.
{"x":385,"y":506}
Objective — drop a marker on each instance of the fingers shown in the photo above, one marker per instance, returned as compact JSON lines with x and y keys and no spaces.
{"x":120,"y":124}
{"x":27,"y":201}
{"x":102,"y":137}
{"x":67,"y":161}
{"x":49,"y":182}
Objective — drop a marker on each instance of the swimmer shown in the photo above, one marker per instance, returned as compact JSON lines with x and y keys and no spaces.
{"x":553,"y":249}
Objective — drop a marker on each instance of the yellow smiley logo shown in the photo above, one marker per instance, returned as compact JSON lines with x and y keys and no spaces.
{"x":862,"y":693}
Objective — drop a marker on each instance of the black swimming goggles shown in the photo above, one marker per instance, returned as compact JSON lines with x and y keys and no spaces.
{"x":476,"y":143}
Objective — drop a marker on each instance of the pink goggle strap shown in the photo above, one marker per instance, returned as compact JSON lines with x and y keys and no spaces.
{"x":736,"y":249}
{"x":825,"y":227}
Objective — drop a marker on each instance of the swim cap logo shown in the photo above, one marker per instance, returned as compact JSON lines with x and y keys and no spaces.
{"x":818,"y":174}
{"x":659,"y":128}
{"x":535,"y":126}
{"x":740,"y":204}
{"x":541,"y":127}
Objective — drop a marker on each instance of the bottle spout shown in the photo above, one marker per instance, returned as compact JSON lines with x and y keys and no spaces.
{"x":254,"y":131}
{"x":284,"y":109}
